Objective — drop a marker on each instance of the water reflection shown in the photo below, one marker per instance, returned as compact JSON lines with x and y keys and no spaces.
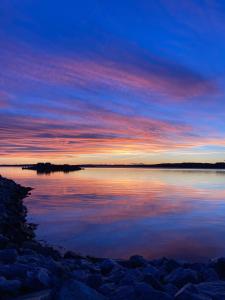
{"x":119,"y":212}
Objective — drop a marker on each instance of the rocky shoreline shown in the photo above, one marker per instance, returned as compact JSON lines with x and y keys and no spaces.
{"x":30,"y":270}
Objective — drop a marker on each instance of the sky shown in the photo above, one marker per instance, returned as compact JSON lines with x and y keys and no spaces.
{"x":124,"y":81}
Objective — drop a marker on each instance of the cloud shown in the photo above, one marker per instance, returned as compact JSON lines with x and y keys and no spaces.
{"x":134,"y":71}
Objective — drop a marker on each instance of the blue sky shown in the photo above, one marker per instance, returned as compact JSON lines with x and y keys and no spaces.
{"x":112,"y":81}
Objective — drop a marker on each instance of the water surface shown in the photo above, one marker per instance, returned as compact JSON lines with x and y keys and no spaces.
{"x":120,"y":212}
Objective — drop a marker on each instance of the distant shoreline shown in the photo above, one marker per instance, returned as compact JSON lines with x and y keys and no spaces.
{"x":185,"y":165}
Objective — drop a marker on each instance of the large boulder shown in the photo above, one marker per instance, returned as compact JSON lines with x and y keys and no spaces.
{"x":124,"y":292}
{"x":9,"y":287}
{"x":73,"y":289}
{"x":137,"y":261}
{"x":214,"y":289}
{"x":145,"y":292}
{"x":41,"y":295}
{"x":190,"y":292}
{"x":181,"y":276}
{"x":219,"y":265}
{"x":107,"y":265}
{"x":8,"y":256}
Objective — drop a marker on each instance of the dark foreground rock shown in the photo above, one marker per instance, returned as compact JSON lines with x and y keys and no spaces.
{"x":32,"y":271}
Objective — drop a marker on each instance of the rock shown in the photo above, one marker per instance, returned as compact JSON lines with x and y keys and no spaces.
{"x":190,"y":292}
{"x":219,"y":265}
{"x":80,"y":275}
{"x":42,"y":295}
{"x":42,"y":249}
{"x":73,"y":289}
{"x":180,"y":277}
{"x":9,"y":287}
{"x":209,"y":274}
{"x":8,"y":256}
{"x":4,"y":241}
{"x":145,"y":292}
{"x":116,"y":276}
{"x":150,"y":279}
{"x":107,"y":265}
{"x":170,"y":289}
{"x":38,"y":278}
{"x":137,"y":261}
{"x":14,"y":271}
{"x":214,"y":289}
{"x":151,"y":270}
{"x":94,"y":281}
{"x":124,"y":293}
{"x":107,"y":289}
{"x":72,"y":255}
{"x":131,"y":276}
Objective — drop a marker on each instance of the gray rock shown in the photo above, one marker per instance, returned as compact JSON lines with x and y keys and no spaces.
{"x":137,"y":261}
{"x":170,"y":289}
{"x":107,"y":265}
{"x":116,"y":276}
{"x":42,"y":295}
{"x":8,"y":256}
{"x":124,"y":293}
{"x":209,"y":274}
{"x":38,"y":278}
{"x":94,"y":281}
{"x":4,"y":241}
{"x":76,"y":290}
{"x":152,"y":271}
{"x":107,"y":289}
{"x":14,"y":271}
{"x":190,"y":292}
{"x":214,"y":289}
{"x":219,"y":265}
{"x":80,"y":275}
{"x":9,"y":287}
{"x":180,"y":277}
{"x":145,"y":292}
{"x":131,"y":276}
{"x":150,"y":279}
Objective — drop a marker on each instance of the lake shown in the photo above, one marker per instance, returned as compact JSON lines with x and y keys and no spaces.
{"x":120,"y":212}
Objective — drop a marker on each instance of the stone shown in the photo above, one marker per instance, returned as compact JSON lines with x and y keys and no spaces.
{"x":190,"y":292}
{"x":214,"y":289}
{"x":170,"y":289}
{"x":38,"y":278}
{"x":8,"y":256}
{"x":72,"y":255}
{"x":80,"y":275}
{"x":209,"y":274}
{"x":94,"y":281}
{"x":219,"y":265}
{"x":145,"y":292}
{"x":116,"y":276}
{"x":137,"y":261}
{"x":41,"y":295}
{"x":131,"y":276}
{"x":73,"y":289}
{"x":9,"y":287}
{"x":107,"y":265}
{"x":4,"y":241}
{"x":150,"y":279}
{"x":13,"y":271}
{"x":124,"y":293}
{"x":151,"y":270}
{"x":181,"y":276}
{"x":107,"y":289}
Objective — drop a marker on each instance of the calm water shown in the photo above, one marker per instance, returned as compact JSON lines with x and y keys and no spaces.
{"x":120,"y":212}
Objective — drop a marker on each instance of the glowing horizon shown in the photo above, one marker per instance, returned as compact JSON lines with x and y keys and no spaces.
{"x":130,"y":82}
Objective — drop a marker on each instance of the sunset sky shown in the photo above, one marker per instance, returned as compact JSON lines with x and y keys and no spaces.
{"x":126,"y":81}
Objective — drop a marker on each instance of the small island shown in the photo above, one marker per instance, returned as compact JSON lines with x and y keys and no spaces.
{"x":47,"y":168}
